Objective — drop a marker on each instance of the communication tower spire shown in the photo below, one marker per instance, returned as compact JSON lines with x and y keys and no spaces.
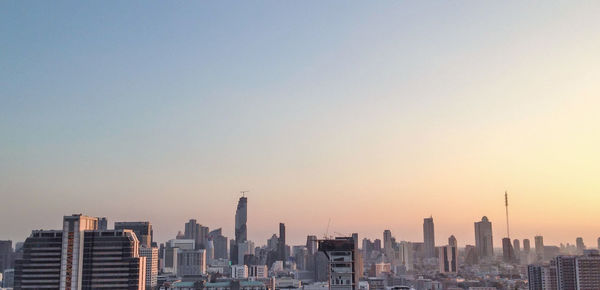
{"x":506,"y":205}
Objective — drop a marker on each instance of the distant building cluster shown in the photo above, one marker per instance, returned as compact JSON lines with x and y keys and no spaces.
{"x":87,"y":254}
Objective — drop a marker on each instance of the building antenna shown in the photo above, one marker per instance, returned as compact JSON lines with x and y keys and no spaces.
{"x":506,"y":205}
{"x":243,"y":192}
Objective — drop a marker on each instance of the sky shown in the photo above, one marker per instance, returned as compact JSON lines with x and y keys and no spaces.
{"x":362,"y":115}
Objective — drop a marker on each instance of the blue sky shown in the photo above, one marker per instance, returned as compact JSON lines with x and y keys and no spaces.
{"x":109,"y":105}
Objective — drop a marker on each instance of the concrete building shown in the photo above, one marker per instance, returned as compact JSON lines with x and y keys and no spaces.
{"x":281,"y":243}
{"x":219,"y":244}
{"x":151,"y":255}
{"x":143,"y":231}
{"x":341,"y":268}
{"x":239,"y":271}
{"x":448,"y":259}
{"x":241,"y":230}
{"x":429,"y":237}
{"x":508,"y":254}
{"x":484,"y":242}
{"x":539,"y":248}
{"x":6,"y":255}
{"x":191,"y":262}
{"x":258,"y":271}
{"x":81,"y":257}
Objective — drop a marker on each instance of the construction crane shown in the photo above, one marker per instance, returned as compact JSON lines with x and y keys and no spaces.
{"x":326,"y":234}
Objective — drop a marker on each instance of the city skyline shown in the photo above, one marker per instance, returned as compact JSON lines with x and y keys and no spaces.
{"x":392,"y":111}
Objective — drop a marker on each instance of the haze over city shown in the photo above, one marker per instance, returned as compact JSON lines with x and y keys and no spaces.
{"x":371,"y":115}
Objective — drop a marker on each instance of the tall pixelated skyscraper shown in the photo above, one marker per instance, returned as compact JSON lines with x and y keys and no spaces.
{"x":429,"y":237}
{"x":241,"y":231}
{"x":484,"y":242}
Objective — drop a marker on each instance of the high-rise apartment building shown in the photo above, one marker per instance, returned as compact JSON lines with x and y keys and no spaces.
{"x":580,"y":245}
{"x":241,"y":231}
{"x":151,"y":255}
{"x":508,"y":254}
{"x":143,"y":231}
{"x":517,"y":248}
{"x":429,"y":237}
{"x":539,"y":247}
{"x":341,"y":267}
{"x":526,"y":246}
{"x":484,"y":242}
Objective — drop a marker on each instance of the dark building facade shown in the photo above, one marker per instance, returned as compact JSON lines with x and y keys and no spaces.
{"x":143,"y":231}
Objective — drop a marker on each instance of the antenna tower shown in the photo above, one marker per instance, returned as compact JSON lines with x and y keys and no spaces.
{"x":506,"y":205}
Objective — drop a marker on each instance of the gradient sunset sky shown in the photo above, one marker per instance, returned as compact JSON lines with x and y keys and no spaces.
{"x":374,"y":114}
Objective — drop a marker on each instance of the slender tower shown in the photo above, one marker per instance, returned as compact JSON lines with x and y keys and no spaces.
{"x":506,"y":205}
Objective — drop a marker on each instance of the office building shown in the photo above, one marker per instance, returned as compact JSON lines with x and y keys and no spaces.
{"x":258,"y":271}
{"x":239,"y":271}
{"x":341,"y":263}
{"x":281,"y":243}
{"x":151,"y":255}
{"x":387,"y":245}
{"x":312,"y":245}
{"x":219,"y":244}
{"x":452,"y":241}
{"x":471,"y":255}
{"x":111,"y":261}
{"x":191,"y":262}
{"x":103,"y":224}
{"x":429,"y":237}
{"x":241,"y":231}
{"x":39,"y":267}
{"x":143,"y":231}
{"x":448,"y":259}
{"x":6,"y":255}
{"x":508,"y":254}
{"x":484,"y":242}
{"x":80,"y":257}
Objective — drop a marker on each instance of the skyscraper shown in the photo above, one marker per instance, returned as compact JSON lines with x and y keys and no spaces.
{"x":539,"y":247}
{"x":6,"y":255}
{"x":151,"y":255}
{"x":580,"y":245}
{"x":387,"y":245}
{"x":143,"y":231}
{"x":508,"y":254}
{"x":281,"y":242}
{"x":484,"y":242}
{"x":452,"y":241}
{"x":428,"y":237}
{"x":448,"y":259}
{"x":219,"y":244}
{"x":526,"y":245}
{"x":241,"y":232}
{"x":517,"y":248}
